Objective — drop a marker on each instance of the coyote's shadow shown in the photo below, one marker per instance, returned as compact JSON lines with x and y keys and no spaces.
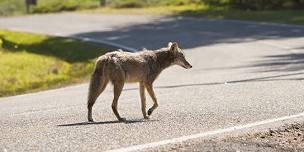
{"x":104,"y":122}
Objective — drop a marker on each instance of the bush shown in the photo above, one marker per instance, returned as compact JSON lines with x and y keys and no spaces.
{"x":47,"y":6}
{"x":175,"y":2}
{"x":144,"y":3}
{"x":266,"y":4}
{"x":56,"y":6}
{"x":215,"y":2}
{"x":11,"y":7}
{"x":126,"y":3}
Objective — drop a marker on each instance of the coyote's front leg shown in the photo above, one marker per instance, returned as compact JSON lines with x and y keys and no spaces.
{"x":150,"y":90}
{"x":143,"y":99}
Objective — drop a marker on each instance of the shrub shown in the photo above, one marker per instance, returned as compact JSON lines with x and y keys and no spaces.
{"x":10,"y":7}
{"x":56,"y":6}
{"x":175,"y":2}
{"x":46,"y":6}
{"x":266,"y":4}
{"x":126,"y":3}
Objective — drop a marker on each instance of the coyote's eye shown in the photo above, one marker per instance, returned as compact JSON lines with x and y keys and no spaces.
{"x":181,"y":55}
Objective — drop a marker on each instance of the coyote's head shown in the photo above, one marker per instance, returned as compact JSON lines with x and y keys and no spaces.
{"x":179,"y":56}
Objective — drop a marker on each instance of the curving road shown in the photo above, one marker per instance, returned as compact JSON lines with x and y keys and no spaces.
{"x":243,"y":72}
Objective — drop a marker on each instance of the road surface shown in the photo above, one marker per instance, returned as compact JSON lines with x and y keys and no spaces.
{"x":243,"y":73}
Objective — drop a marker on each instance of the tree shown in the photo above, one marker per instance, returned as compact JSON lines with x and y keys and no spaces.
{"x":28,"y":4}
{"x":103,"y":2}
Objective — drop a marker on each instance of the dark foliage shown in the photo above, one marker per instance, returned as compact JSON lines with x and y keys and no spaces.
{"x":266,"y":4}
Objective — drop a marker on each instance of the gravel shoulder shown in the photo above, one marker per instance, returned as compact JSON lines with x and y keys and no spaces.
{"x":286,"y":138}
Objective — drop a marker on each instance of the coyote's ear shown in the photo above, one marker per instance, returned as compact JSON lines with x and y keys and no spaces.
{"x":173,"y":46}
{"x":169,"y":44}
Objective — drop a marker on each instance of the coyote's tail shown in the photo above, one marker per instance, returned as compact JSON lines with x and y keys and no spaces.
{"x":96,"y":85}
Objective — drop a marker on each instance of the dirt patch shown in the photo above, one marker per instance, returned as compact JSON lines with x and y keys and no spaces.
{"x":288,"y":138}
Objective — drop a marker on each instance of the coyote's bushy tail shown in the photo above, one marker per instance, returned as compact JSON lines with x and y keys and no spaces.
{"x":96,"y":86}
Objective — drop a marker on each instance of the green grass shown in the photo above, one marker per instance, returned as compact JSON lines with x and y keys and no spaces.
{"x":11,"y":7}
{"x":275,"y":16}
{"x":194,"y":8}
{"x":206,"y":11}
{"x":17,"y":7}
{"x":31,"y":62}
{"x":47,"y":6}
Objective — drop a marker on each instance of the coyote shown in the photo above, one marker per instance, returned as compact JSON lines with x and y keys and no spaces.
{"x":143,"y":67}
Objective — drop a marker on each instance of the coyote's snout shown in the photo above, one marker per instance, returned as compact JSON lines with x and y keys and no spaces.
{"x":143,"y":67}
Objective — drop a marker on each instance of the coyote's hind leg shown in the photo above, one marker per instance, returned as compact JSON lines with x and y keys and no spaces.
{"x":143,"y":99}
{"x":97,"y":84}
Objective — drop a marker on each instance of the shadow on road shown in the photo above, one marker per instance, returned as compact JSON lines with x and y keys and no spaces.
{"x":191,"y":33}
{"x":104,"y":122}
{"x":287,"y":62}
{"x":282,"y":62}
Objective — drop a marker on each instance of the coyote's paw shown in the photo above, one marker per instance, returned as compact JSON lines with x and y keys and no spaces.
{"x":146,"y":117}
{"x":90,"y":120}
{"x":122,"y":119}
{"x":150,"y":111}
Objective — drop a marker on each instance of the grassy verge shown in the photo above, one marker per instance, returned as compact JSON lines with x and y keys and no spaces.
{"x":194,"y":10}
{"x":48,"y":6}
{"x":274,"y":16}
{"x":18,"y":7}
{"x":11,"y":7}
{"x":155,"y":10}
{"x":31,"y":62}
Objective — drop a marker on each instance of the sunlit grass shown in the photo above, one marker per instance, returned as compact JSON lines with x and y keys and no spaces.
{"x":156,"y":10}
{"x":30,"y":62}
{"x":157,"y":7}
{"x":47,"y":6}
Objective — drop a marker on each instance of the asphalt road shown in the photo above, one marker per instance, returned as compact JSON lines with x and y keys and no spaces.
{"x":242,"y":72}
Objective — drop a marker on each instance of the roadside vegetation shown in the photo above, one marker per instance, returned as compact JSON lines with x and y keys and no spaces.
{"x":18,"y":7}
{"x":49,"y":6}
{"x":205,"y":11}
{"x":11,"y":7}
{"x":278,"y":11}
{"x":31,"y":62}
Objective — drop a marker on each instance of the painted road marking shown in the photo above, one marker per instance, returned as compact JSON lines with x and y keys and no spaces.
{"x":204,"y":134}
{"x":125,"y":48}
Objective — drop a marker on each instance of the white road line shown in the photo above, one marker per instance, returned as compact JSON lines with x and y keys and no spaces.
{"x":204,"y":134}
{"x":126,"y":48}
